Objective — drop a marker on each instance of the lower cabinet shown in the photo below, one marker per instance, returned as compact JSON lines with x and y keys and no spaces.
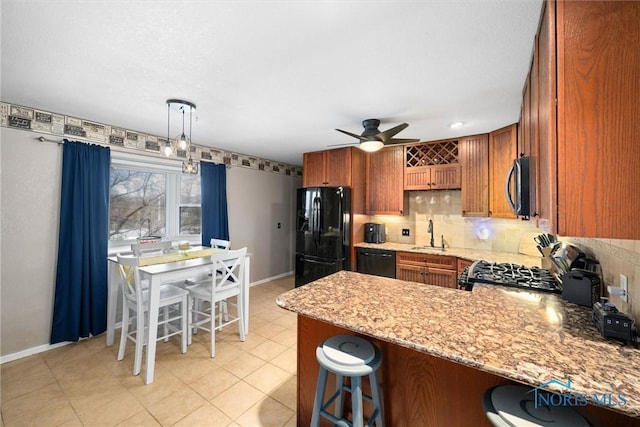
{"x":462,"y":263}
{"x":438,"y":270}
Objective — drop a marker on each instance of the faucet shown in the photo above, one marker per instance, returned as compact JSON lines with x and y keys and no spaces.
{"x":442,"y":239}
{"x":430,"y":230}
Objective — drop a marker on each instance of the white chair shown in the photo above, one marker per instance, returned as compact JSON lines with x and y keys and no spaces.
{"x":136,"y":300}
{"x":227,"y":283}
{"x":225,"y":245}
{"x":220,"y":244}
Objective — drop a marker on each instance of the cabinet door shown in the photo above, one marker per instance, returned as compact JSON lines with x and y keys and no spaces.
{"x":462,"y":263}
{"x":384,"y":177}
{"x":445,"y":177}
{"x":598,"y":111}
{"x":410,"y":273}
{"x":313,"y":169}
{"x":546,"y":202}
{"x":474,"y":159}
{"x":503,"y":150}
{"x":338,"y":167}
{"x":417,"y":178}
{"x":427,"y":275}
{"x":441,"y":277}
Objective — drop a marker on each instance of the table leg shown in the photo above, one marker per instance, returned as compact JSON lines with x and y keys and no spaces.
{"x":113,"y":284}
{"x":154,"y":302}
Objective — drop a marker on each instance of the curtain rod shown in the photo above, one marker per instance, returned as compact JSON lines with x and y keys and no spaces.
{"x":117,"y":148}
{"x":43,"y":139}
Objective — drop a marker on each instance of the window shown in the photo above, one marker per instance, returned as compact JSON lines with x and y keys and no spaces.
{"x":151,"y":199}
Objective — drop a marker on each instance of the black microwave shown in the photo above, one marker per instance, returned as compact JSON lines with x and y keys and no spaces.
{"x":519,"y":188}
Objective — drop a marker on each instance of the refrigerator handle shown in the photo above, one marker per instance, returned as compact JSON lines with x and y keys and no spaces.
{"x":317,"y":207}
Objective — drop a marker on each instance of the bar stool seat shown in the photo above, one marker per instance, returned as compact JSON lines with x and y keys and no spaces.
{"x":353,"y":357}
{"x":509,"y":405}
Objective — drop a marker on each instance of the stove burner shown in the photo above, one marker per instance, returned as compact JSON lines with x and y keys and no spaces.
{"x":507,"y":274}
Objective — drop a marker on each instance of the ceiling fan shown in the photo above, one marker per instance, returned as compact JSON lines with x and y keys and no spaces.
{"x":372,"y":139}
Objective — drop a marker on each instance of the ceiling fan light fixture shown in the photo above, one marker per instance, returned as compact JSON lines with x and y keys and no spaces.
{"x":371,"y":145}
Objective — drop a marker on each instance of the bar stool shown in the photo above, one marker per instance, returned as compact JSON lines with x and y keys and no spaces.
{"x":509,"y":405}
{"x":353,"y":357}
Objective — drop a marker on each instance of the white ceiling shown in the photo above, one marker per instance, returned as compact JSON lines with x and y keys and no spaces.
{"x":272,"y":78}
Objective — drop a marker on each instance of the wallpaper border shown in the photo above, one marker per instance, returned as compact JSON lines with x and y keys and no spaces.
{"x":46,"y":122}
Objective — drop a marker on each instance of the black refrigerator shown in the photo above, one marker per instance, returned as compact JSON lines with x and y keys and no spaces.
{"x":323,"y":230}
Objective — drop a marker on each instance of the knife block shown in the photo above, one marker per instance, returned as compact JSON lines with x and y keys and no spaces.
{"x":546,"y":262}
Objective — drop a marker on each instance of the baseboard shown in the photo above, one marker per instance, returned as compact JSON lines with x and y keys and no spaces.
{"x":31,"y":351}
{"x":269,"y":279}
{"x":46,"y":347}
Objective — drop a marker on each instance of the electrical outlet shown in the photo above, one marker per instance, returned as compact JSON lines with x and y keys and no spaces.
{"x":625,"y":288}
{"x":405,"y":231}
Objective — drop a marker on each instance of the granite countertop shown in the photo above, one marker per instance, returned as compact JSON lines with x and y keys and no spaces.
{"x":469,"y":254}
{"x":528,"y":337}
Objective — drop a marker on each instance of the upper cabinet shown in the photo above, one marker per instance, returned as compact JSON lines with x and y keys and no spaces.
{"x":587,"y":64}
{"x":432,"y":166}
{"x":341,"y":167}
{"x":384,"y":190}
{"x":474,"y":160}
{"x":327,"y":168}
{"x":503,"y":149}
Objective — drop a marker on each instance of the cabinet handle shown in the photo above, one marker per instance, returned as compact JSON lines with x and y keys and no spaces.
{"x":433,"y":183}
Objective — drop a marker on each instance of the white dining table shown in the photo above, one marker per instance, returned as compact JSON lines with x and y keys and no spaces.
{"x":157,"y":275}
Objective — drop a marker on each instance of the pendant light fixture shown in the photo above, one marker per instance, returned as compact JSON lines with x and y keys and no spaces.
{"x":184,"y":143}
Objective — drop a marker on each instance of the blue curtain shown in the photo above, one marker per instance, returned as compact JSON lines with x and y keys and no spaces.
{"x":80,"y":306}
{"x":213,"y":190}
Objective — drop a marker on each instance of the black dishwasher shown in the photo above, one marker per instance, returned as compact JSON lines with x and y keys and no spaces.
{"x":378,"y":262}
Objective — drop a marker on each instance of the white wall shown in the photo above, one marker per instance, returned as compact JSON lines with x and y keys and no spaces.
{"x":29,"y":201}
{"x":30,"y":185}
{"x":257,"y":202}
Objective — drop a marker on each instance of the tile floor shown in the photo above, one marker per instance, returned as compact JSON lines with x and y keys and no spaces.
{"x":251,"y":383}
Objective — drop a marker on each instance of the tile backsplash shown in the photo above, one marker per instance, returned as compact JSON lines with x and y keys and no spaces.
{"x":443,"y":208}
{"x":616,"y":257}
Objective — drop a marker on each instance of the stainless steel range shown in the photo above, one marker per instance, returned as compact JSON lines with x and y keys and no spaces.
{"x":511,"y":275}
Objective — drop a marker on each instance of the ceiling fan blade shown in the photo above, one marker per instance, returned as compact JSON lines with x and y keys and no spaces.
{"x":401,"y":140}
{"x":352,"y":134}
{"x":389,"y":133}
{"x":343,"y":145}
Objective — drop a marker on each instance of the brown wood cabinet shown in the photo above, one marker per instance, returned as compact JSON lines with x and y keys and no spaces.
{"x":439,"y":270}
{"x":474,"y":159}
{"x":384,"y":190}
{"x":462,"y":263}
{"x":432,"y":166}
{"x":503,"y":149}
{"x":587,"y":118}
{"x":328,"y":168}
{"x":438,"y":177}
{"x":335,"y":168}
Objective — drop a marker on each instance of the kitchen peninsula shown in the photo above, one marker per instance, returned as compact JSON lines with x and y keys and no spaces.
{"x":442,"y":348}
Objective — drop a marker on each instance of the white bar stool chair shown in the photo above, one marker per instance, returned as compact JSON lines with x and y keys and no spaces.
{"x":353,"y":357}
